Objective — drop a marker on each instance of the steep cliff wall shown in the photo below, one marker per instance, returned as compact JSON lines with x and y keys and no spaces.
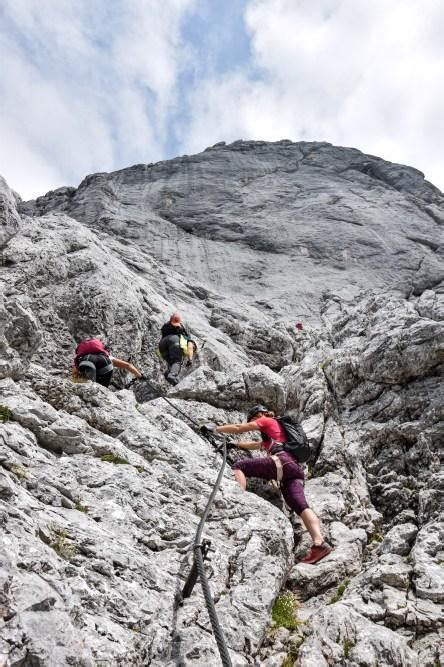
{"x":93,"y":551}
{"x":279,"y":223}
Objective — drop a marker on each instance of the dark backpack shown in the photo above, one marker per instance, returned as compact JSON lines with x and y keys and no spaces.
{"x":297,"y":444}
{"x":92,"y":346}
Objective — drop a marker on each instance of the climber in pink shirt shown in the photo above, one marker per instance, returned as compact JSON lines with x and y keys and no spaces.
{"x":278,"y":465}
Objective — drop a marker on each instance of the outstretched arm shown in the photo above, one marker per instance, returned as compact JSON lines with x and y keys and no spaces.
{"x":120,"y":363}
{"x":249,"y":444}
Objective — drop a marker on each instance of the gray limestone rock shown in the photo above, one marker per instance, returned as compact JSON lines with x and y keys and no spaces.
{"x":101,"y":490}
{"x":428,"y":559}
{"x":9,"y":217}
{"x":278,"y":223}
{"x":101,"y":529}
{"x":20,"y":336}
{"x":399,"y":539}
{"x":339,"y":635}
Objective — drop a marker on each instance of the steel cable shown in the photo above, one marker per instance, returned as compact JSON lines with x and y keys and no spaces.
{"x":197,"y":548}
{"x":184,"y":414}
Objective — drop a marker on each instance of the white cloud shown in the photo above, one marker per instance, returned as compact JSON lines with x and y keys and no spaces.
{"x":362,"y":74}
{"x":95,"y":86}
{"x":85,"y":86}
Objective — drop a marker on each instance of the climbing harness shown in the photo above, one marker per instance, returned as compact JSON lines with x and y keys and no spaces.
{"x":279,"y":469}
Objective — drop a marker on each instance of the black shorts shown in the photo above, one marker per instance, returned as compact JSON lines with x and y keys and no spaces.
{"x":90,"y":366}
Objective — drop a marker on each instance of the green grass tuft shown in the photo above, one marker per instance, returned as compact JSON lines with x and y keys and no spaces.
{"x":377,"y":537}
{"x":284,"y":611}
{"x":79,"y":506}
{"x":339,"y":592}
{"x":113,"y":458}
{"x":290,"y":660}
{"x":347,"y":646}
{"x":140,"y":469}
{"x":5,"y":414}
{"x":60,"y":542}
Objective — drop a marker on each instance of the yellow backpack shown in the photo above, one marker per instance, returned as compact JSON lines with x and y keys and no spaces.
{"x":183,"y":342}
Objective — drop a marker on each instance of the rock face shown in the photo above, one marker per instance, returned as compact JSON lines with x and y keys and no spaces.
{"x":101,"y":490}
{"x":278,"y":223}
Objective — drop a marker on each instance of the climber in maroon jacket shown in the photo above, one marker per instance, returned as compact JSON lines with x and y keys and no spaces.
{"x":94,"y":362}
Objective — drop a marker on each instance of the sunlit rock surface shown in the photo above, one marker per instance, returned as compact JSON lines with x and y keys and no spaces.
{"x":278,"y":223}
{"x":101,"y":490}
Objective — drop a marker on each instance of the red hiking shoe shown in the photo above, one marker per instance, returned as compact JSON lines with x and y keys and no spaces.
{"x":317,"y":553}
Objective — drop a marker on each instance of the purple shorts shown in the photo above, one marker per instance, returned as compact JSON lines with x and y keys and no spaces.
{"x":292,"y":485}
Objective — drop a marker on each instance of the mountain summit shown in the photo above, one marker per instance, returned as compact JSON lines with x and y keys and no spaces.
{"x":277,"y":223}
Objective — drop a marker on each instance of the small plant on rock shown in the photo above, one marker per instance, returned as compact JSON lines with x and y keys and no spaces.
{"x":19,"y":471}
{"x":290,"y":660}
{"x":347,"y":646}
{"x":79,"y":506}
{"x":5,"y":414}
{"x":340,"y":592}
{"x":60,"y":541}
{"x":284,"y":611}
{"x":293,"y":650}
{"x":113,"y":458}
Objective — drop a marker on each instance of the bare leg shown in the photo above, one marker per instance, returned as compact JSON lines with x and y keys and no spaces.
{"x":312,"y":524}
{"x":241,"y":479}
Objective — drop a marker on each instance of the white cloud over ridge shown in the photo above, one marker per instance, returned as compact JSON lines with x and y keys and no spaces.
{"x":95,"y":86}
{"x":85,"y":86}
{"x":363,"y":74}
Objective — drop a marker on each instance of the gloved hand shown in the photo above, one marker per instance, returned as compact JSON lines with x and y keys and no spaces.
{"x":188,"y":363}
{"x":207,"y":429}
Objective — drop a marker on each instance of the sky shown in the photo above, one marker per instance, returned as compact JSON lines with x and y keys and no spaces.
{"x":98,"y":85}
